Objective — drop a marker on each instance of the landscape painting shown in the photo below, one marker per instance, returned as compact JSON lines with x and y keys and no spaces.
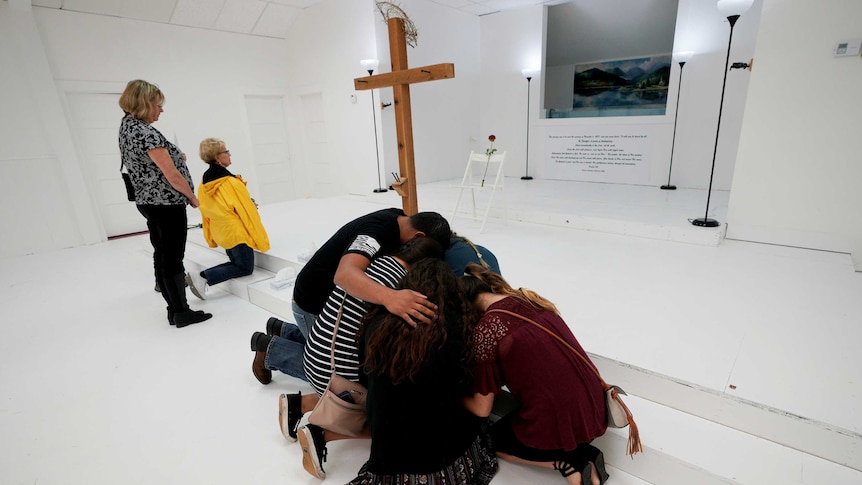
{"x":628,"y":87}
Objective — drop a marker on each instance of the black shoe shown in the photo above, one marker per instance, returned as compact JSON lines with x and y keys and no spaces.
{"x":189,"y":317}
{"x":289,"y":414}
{"x":274,"y":326}
{"x":575,"y":463}
{"x":170,"y":315}
{"x":313,"y":449}
{"x":597,"y":458}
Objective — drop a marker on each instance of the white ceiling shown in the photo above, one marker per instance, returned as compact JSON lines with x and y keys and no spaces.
{"x":268,"y":18}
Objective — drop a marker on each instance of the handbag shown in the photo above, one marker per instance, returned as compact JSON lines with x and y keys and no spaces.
{"x":618,"y":413}
{"x":130,"y":189}
{"x":341,"y":407}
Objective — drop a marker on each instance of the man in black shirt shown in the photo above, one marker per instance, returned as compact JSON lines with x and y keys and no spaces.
{"x":342,"y":261}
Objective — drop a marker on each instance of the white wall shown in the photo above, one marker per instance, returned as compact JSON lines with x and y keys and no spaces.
{"x":799,"y":167}
{"x":512,"y":40}
{"x":204,"y":75}
{"x":324,"y":49}
{"x":45,"y":202}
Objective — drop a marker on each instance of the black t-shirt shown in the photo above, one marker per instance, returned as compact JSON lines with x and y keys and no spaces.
{"x":369,"y":235}
{"x":420,"y":426}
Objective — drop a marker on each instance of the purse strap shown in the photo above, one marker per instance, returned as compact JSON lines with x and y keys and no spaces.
{"x":633,"y":445}
{"x":335,"y":332}
{"x":592,"y":366}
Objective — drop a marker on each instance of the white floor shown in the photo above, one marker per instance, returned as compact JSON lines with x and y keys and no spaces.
{"x":97,"y":388}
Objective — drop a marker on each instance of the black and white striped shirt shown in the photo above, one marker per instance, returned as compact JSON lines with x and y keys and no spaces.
{"x":384,"y":270}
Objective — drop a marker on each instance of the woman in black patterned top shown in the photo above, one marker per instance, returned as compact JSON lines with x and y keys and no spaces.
{"x":163,"y":187}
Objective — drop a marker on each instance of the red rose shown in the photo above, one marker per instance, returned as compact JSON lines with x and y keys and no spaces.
{"x":492,"y":138}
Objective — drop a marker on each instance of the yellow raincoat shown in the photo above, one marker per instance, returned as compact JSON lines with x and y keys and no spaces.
{"x":229,"y":215}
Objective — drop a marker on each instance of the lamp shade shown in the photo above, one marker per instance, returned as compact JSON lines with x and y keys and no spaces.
{"x":529,"y":73}
{"x":682,"y":56}
{"x":369,"y":64}
{"x":734,"y":7}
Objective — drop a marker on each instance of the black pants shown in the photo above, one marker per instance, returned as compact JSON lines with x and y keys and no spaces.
{"x":168,"y":225}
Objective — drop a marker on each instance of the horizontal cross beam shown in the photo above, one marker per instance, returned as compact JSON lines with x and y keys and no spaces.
{"x":406,"y":76}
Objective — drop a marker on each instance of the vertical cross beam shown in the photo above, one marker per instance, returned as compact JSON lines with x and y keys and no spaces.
{"x":403,"y":115}
{"x":400,"y":79}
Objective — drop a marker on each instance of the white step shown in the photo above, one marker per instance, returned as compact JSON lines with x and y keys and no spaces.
{"x":691,"y":435}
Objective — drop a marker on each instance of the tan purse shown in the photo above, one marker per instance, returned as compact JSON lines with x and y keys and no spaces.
{"x":334,"y":412}
{"x":618,"y":413}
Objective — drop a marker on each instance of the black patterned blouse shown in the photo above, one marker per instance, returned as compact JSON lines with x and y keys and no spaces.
{"x":151,"y":186}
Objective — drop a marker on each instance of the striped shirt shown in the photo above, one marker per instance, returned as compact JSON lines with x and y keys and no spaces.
{"x":384,"y":270}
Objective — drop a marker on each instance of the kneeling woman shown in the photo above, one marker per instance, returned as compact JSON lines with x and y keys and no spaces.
{"x":417,"y":378}
{"x":562,"y":403}
{"x":230,"y":217}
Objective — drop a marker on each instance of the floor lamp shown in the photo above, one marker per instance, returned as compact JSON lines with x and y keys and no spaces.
{"x":732,"y":9}
{"x":370,"y":65}
{"x":528,"y":74}
{"x":682,"y":58}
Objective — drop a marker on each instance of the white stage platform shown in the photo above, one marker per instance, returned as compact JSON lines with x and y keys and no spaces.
{"x":723,"y":330}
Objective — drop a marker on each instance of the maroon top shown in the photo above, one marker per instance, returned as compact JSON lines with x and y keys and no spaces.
{"x":562,"y":400}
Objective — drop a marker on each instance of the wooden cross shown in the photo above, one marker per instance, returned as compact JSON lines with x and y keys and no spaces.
{"x":400,"y":80}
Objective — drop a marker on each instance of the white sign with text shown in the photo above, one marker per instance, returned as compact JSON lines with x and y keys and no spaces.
{"x":603,"y":153}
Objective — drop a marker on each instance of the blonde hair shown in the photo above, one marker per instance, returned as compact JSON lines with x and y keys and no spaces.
{"x":209,"y":149}
{"x":478,"y":280}
{"x":474,"y":248}
{"x":138,"y":97}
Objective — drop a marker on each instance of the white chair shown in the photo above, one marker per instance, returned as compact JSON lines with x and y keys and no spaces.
{"x":483,"y":173}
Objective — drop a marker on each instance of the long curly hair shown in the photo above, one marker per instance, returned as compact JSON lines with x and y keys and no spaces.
{"x":400,"y":350}
{"x":478,"y":280}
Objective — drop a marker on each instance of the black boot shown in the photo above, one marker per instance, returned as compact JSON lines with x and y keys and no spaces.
{"x":189,"y":317}
{"x":274,"y":326}
{"x":260,"y":344}
{"x":174,"y":291}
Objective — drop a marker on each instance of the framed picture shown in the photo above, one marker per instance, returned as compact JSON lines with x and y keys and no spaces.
{"x":626,"y":87}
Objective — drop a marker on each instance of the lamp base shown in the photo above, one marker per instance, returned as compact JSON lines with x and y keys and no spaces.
{"x":526,"y":177}
{"x":668,"y":187}
{"x":705,"y":222}
{"x":379,"y":190}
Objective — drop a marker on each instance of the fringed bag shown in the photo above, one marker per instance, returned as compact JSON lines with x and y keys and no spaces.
{"x":618,"y":413}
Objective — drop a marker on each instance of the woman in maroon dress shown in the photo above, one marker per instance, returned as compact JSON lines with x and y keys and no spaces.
{"x":562,"y":403}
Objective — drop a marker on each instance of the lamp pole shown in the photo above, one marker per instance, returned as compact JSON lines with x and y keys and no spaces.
{"x":370,"y":65}
{"x":528,"y":74}
{"x":683,"y":58}
{"x":734,"y":9}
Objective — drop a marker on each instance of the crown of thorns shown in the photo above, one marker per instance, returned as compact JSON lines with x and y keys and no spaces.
{"x":390,"y":10}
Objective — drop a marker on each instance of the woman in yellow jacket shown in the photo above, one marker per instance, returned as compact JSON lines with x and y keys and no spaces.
{"x":230,"y":217}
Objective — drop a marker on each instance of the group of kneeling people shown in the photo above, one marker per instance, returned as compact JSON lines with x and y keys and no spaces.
{"x":431,"y":386}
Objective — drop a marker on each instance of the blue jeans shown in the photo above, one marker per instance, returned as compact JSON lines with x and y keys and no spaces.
{"x":285,"y":352}
{"x":304,"y":320}
{"x":241,"y":264}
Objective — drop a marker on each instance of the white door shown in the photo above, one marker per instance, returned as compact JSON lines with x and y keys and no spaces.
{"x":268,"y":132}
{"x":320,"y":169}
{"x":96,"y":123}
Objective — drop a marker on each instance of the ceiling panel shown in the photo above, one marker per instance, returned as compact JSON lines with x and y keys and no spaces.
{"x":104,"y":7}
{"x":269,"y":18}
{"x":197,"y":13}
{"x":47,"y":3}
{"x":276,"y":20}
{"x":152,"y":10}
{"x":297,"y":3}
{"x":240,"y":15}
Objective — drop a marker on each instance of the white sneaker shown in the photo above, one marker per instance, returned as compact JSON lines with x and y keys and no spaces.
{"x":197,"y":285}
